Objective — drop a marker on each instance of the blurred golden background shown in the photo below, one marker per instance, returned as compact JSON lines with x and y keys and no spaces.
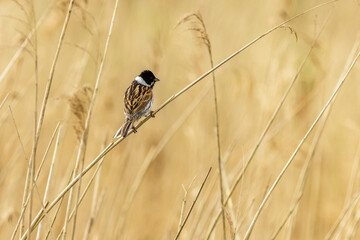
{"x":179,"y":145}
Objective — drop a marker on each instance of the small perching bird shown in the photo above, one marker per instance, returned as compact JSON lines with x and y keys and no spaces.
{"x":138,"y":101}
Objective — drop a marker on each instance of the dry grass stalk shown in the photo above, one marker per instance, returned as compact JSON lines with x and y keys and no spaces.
{"x":112,"y":145}
{"x":42,"y":112}
{"x":4,"y":100}
{"x":151,"y":156}
{"x":303,"y":176}
{"x":208,"y":197}
{"x":355,"y":218}
{"x":31,"y":19}
{"x":28,"y":163}
{"x":183,"y":205}
{"x":95,"y":206}
{"x":24,"y":202}
{"x":86,"y":188}
{"x":97,"y":170}
{"x":36,"y":69}
{"x":284,"y":221}
{"x":36,"y":177}
{"x":203,"y":35}
{"x":302,"y":180}
{"x":83,"y":143}
{"x":70,"y":215}
{"x":56,"y":214}
{"x":330,"y":100}
{"x":230,"y":205}
{"x":25,"y":42}
{"x":52,"y":70}
{"x":346,"y":222}
{"x":18,"y":135}
{"x":79,"y":105}
{"x":354,"y":224}
{"x":192,"y":206}
{"x":268,"y":125}
{"x":68,"y":208}
{"x":41,"y":214}
{"x":354,"y":174}
{"x":304,"y":173}
{"x":34,"y":181}
{"x":202,"y":215}
{"x":232,"y":226}
{"x":347,"y":210}
{"x":46,"y":152}
{"x":293,"y":210}
{"x":49,"y":179}
{"x":94,"y":214}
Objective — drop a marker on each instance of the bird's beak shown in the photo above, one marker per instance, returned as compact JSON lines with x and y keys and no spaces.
{"x":156,"y":79}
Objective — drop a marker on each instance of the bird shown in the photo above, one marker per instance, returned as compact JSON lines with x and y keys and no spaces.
{"x":138,"y":101}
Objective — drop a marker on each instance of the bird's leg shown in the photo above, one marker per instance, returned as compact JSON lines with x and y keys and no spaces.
{"x":152,"y":114}
{"x":134,"y":129}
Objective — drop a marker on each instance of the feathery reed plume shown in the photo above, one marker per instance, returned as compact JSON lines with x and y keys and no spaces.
{"x":79,"y":103}
{"x":199,"y":27}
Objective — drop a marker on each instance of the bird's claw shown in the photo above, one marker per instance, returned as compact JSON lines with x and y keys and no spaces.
{"x":152,"y":114}
{"x":134,"y":129}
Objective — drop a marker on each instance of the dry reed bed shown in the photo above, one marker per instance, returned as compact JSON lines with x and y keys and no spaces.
{"x":245,"y":130}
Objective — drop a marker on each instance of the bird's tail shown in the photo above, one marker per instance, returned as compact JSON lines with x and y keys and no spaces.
{"x":124,"y":129}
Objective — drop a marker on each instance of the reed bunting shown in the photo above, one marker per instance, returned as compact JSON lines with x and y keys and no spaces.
{"x":138,"y":101}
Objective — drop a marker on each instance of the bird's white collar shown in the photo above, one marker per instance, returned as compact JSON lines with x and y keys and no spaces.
{"x":141,"y":81}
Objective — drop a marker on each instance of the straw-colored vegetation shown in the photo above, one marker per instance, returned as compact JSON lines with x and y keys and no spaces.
{"x":279,"y":117}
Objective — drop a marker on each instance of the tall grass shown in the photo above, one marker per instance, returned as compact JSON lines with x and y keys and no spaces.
{"x":59,"y":178}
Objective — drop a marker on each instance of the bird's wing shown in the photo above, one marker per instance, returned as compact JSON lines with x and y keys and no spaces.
{"x":136,"y":98}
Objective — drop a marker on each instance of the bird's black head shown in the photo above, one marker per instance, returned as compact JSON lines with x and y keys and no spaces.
{"x":148,"y":77}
